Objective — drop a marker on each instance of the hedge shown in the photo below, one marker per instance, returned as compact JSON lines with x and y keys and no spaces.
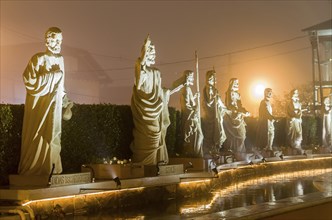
{"x":105,"y":130}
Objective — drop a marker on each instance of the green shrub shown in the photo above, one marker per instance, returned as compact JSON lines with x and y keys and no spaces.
{"x":105,"y":131}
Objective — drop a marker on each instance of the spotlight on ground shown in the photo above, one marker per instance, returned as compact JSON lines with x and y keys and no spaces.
{"x":215,"y":171}
{"x":50,"y":176}
{"x":118,"y":182}
{"x":158,"y":164}
{"x":190,"y":165}
{"x":92,"y":172}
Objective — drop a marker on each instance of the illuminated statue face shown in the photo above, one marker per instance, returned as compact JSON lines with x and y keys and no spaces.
{"x":150,"y":55}
{"x":190,"y":78}
{"x":268,"y":93}
{"x":53,"y":42}
{"x":326,"y":101}
{"x":212,"y":80}
{"x":295,"y":95}
{"x":235,"y":85}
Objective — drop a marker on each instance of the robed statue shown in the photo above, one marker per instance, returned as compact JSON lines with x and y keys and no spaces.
{"x":46,"y":97}
{"x":235,"y":126}
{"x":190,"y":128}
{"x":294,"y":121}
{"x":327,"y":122}
{"x":213,"y":111}
{"x":149,"y":106}
{"x":265,"y":126}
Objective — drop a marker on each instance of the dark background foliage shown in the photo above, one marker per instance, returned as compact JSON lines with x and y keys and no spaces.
{"x":105,"y":131}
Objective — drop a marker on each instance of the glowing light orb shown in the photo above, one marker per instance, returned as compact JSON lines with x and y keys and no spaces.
{"x":259,"y":91}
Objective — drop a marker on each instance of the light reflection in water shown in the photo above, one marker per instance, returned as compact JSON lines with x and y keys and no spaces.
{"x":255,"y":191}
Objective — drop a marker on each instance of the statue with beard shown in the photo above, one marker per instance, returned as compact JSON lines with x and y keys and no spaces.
{"x":45,"y":97}
{"x":149,"y":106}
{"x":265,"y":127}
{"x":234,"y":124}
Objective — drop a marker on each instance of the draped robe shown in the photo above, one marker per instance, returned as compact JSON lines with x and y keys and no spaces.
{"x":234,"y":124}
{"x":150,"y":114}
{"x":265,"y":126}
{"x":327,"y":127}
{"x":213,"y":113}
{"x":41,"y":133}
{"x":191,"y":131}
{"x":294,"y":122}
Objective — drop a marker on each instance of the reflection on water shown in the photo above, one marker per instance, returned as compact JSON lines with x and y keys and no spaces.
{"x":251,"y":192}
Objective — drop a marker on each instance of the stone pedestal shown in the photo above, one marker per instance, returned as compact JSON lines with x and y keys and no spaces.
{"x":324,"y":150}
{"x":163,"y":170}
{"x":110,"y":171}
{"x":267,"y":153}
{"x":44,"y":181}
{"x":290,"y":151}
{"x":198,"y":164}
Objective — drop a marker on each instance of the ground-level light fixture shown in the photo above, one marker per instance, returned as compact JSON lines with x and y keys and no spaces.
{"x":189,"y":165}
{"x":215,"y":171}
{"x":91,"y":171}
{"x":118,"y":182}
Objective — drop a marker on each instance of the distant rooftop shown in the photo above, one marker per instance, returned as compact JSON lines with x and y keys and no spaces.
{"x":325,"y":25}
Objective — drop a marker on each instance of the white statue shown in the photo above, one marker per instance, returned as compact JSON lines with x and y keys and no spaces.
{"x":327,"y":122}
{"x":234,"y":124}
{"x":213,"y":110}
{"x":149,"y":105}
{"x":192,"y":135}
{"x":294,"y":121}
{"x":265,"y":128}
{"x":41,"y":135}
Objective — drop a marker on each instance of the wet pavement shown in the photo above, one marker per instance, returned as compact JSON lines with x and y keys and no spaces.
{"x":253,"y":199}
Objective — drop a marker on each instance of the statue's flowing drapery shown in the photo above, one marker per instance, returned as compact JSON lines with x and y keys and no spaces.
{"x":41,"y":135}
{"x":294,"y":122}
{"x":234,"y":124}
{"x":212,"y":119}
{"x":192,"y":135}
{"x":265,"y":126}
{"x":327,"y":127}
{"x":150,"y":114}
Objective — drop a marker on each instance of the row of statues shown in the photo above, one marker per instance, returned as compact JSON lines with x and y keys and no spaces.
{"x":222,"y":124}
{"x":221,"y":127}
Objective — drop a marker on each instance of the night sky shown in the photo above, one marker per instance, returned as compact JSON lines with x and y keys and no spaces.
{"x":255,"y":41}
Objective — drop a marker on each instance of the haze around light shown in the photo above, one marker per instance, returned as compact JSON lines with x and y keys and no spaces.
{"x":254,"y":41}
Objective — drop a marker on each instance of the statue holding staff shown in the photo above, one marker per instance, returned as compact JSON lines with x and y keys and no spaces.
{"x":191,"y":132}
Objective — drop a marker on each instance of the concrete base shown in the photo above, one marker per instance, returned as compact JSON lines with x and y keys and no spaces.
{"x":105,"y":194}
{"x":198,"y":164}
{"x":110,"y":171}
{"x":164,"y":170}
{"x":324,"y":150}
{"x":43,"y":181}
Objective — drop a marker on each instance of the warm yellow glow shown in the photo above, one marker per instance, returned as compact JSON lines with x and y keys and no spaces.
{"x":84,"y":194}
{"x":196,"y":181}
{"x":236,"y":186}
{"x":258,"y":90}
{"x":48,"y":199}
{"x":113,"y":191}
